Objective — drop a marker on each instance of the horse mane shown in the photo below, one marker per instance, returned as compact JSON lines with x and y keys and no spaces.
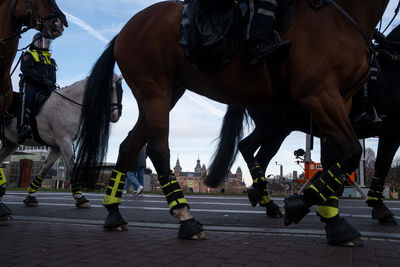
{"x":394,"y":35}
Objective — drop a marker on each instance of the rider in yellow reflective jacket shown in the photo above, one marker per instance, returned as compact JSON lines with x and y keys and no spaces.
{"x":38,"y":74}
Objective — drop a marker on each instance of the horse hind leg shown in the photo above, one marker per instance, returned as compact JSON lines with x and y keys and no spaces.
{"x":157,"y":122}
{"x":65,"y":148}
{"x":389,"y":142}
{"x":259,"y":192}
{"x":31,"y":200}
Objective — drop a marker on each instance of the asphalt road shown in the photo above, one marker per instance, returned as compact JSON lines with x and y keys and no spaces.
{"x":216,"y":213}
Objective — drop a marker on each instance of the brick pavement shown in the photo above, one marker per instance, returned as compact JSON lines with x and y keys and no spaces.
{"x":27,"y":243}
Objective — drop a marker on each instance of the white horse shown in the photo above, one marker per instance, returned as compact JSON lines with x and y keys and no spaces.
{"x":57,"y":125}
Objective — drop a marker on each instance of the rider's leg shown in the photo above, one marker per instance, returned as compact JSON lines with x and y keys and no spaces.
{"x":28,"y":92}
{"x":264,"y":40}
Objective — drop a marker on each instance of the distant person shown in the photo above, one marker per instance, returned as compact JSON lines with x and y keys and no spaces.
{"x":38,"y":74}
{"x":135,"y":176}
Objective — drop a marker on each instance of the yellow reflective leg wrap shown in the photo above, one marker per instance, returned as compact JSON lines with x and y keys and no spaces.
{"x":2,"y":177}
{"x":328,"y":183}
{"x":76,"y":189}
{"x":265,"y":200}
{"x":114,"y":188}
{"x":259,"y":180}
{"x":172,"y":192}
{"x":329,"y":209}
{"x":35,"y":185}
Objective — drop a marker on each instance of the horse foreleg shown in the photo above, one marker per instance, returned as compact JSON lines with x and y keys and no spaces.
{"x":31,"y":200}
{"x":340,"y":154}
{"x":389,"y":142}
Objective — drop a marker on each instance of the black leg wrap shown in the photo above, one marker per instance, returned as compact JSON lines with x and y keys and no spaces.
{"x":81,"y":200}
{"x":2,"y":191}
{"x":190,"y":229}
{"x":259,"y":187}
{"x":30,"y":201}
{"x":340,"y":233}
{"x":5,"y":213}
{"x":295,"y":209}
{"x":114,"y":220}
{"x":273,"y":210}
{"x":384,"y":215}
{"x":255,"y":195}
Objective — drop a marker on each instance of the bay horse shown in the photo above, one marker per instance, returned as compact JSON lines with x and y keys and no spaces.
{"x":57,"y":124}
{"x":16,"y":17}
{"x":274,"y":124}
{"x":320,"y":73}
{"x":42,"y":15}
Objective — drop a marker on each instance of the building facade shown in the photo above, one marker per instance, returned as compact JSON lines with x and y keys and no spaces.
{"x":194,"y":181}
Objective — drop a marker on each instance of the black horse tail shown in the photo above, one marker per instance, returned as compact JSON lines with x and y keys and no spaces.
{"x":230,"y":135}
{"x":94,"y":126}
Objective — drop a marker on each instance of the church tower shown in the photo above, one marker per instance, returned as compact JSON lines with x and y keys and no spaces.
{"x":177,"y":168}
{"x":198,"y":166}
{"x":239,"y":174}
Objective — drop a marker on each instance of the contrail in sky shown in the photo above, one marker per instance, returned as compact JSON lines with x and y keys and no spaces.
{"x":86,"y":27}
{"x":205,"y":104}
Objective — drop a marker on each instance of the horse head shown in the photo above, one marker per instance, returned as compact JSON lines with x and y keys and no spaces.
{"x":43,"y":15}
{"x":116,"y":104}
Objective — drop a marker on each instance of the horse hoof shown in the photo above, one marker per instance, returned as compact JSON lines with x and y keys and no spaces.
{"x":384,"y":215}
{"x":341,"y":233}
{"x":120,"y":228}
{"x":191,"y":229}
{"x":82,"y":203}
{"x":30,"y":201}
{"x":115,"y":221}
{"x":5,"y":218}
{"x":5,"y":213}
{"x":273,"y":210}
{"x":255,"y":195}
{"x":295,"y":209}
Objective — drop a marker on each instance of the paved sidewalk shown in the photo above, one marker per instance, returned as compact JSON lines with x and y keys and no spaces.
{"x":30,"y":243}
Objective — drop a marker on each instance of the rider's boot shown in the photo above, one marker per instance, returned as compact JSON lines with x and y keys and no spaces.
{"x":179,"y":207}
{"x":274,"y":50}
{"x":23,"y":128}
{"x":338,"y":231}
{"x":112,"y":199}
{"x":323,"y":185}
{"x":5,"y":212}
{"x":375,"y":200}
{"x":80,"y":201}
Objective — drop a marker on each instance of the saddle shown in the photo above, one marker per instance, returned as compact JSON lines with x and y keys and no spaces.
{"x":14,"y":110}
{"x":211,"y":36}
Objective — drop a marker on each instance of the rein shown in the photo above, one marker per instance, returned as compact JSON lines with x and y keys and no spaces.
{"x":69,"y":99}
{"x":113,"y":105}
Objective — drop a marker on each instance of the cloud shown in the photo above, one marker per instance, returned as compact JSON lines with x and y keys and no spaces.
{"x":86,"y":27}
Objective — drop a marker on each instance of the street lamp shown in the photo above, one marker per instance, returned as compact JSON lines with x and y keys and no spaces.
{"x":281,"y":167}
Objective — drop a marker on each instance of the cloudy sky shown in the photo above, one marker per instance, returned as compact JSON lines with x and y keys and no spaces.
{"x":195,"y":121}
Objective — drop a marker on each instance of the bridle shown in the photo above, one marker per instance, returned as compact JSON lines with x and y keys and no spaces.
{"x":35,"y":20}
{"x":118,"y":105}
{"x":113,"y":106}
